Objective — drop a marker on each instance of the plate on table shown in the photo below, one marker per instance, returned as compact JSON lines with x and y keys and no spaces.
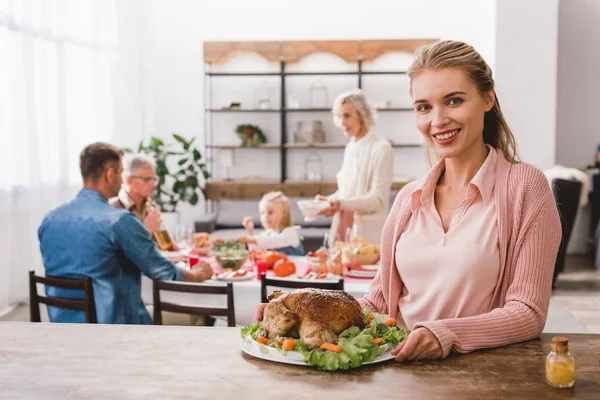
{"x":203,"y":251}
{"x":253,"y":348}
{"x":312,"y":277}
{"x":175,"y":256}
{"x":235,"y":275}
{"x":362,"y":271}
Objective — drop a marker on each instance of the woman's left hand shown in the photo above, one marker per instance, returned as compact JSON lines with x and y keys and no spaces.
{"x":334,"y":206}
{"x":420,"y":344}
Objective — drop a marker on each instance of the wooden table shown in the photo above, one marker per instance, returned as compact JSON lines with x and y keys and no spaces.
{"x":60,"y":361}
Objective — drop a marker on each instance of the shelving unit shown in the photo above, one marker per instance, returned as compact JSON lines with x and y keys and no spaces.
{"x":284,"y":54}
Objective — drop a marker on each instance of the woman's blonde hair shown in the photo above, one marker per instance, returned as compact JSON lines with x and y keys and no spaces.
{"x":359,"y":102}
{"x":284,"y":205}
{"x":452,"y":54}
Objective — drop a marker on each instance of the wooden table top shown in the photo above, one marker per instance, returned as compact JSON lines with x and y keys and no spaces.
{"x":60,"y":361}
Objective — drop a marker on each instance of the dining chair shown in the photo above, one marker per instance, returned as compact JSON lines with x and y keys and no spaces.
{"x":86,"y":305}
{"x":282,"y":283}
{"x":188,"y":287}
{"x":567,"y":194}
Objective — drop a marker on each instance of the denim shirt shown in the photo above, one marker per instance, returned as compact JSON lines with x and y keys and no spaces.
{"x":87,"y":237}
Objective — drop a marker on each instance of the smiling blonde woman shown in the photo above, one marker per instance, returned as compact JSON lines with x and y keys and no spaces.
{"x":468,"y":251}
{"x":365,"y":178}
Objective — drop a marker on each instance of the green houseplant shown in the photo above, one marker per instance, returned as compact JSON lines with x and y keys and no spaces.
{"x":181,"y":171}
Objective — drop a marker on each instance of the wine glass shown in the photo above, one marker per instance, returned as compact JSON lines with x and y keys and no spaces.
{"x":183,"y":236}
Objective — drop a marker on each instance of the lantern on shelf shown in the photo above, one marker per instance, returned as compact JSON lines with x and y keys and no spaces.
{"x":313,"y":167}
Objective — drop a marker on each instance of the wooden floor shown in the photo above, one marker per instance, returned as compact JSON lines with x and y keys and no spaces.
{"x":574,"y":306}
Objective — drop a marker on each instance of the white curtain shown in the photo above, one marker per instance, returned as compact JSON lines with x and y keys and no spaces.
{"x":70,"y":74}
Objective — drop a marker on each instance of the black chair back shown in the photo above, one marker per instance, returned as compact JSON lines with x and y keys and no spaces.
{"x":187,"y":287}
{"x":86,"y":305}
{"x":567,"y":194}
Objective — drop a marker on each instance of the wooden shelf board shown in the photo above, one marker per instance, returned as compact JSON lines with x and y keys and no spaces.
{"x":243,"y":110}
{"x":255,"y":189}
{"x":237,"y":146}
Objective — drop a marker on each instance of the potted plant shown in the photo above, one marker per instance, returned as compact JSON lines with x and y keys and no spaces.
{"x":251,"y":135}
{"x":181,"y":172}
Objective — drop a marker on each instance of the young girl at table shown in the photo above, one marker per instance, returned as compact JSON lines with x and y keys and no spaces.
{"x":279,"y":234}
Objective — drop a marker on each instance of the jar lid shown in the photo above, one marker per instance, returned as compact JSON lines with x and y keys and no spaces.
{"x":560,"y":343}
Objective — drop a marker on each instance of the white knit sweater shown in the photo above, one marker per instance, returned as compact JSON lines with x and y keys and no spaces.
{"x":364,"y":185}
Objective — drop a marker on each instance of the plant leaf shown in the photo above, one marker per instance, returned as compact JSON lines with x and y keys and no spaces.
{"x":183,"y":161}
{"x":156,"y":142}
{"x":180,"y":139}
{"x":194,"y":199}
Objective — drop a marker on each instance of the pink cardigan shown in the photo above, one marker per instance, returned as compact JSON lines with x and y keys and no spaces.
{"x":529,"y":234}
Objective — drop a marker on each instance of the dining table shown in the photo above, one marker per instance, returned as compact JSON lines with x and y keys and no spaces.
{"x":90,"y":361}
{"x":246,"y":292}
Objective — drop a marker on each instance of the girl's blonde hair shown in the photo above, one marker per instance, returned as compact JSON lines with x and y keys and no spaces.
{"x":284,"y":206}
{"x":356,"y":99}
{"x":453,"y":54}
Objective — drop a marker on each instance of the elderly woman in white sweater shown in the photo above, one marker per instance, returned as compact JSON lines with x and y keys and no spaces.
{"x":364,"y":181}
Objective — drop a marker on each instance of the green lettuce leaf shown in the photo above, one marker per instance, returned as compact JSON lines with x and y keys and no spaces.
{"x":357,"y":346}
{"x":254,"y":331}
{"x":263,"y":349}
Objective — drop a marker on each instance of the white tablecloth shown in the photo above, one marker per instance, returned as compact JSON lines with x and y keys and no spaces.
{"x":246,"y":295}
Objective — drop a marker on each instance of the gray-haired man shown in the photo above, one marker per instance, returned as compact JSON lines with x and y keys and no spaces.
{"x":139,"y":182}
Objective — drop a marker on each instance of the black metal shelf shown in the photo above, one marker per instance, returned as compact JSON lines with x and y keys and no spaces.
{"x":283,"y":111}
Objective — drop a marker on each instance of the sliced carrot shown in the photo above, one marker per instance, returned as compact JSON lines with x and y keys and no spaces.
{"x":369,"y":318}
{"x":322,"y":275}
{"x":390,"y":321}
{"x":288,"y":344}
{"x":279,"y":341}
{"x":377,"y":340}
{"x":332,"y":347}
{"x":262,"y":340}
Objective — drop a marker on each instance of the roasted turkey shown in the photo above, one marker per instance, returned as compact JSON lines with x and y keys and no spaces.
{"x":317,"y":316}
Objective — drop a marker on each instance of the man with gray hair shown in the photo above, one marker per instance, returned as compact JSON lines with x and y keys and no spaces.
{"x":139,"y":182}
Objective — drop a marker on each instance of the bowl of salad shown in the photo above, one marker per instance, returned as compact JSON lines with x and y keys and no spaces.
{"x":230,"y":254}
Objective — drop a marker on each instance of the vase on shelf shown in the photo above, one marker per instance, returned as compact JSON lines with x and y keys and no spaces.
{"x":313,"y":167}
{"x":318,"y":134}
{"x":300,"y":136}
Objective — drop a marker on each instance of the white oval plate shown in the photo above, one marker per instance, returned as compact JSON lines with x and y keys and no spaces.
{"x":251,"y":347}
{"x":372,"y":271}
{"x":295,"y":278}
{"x":247,"y":277}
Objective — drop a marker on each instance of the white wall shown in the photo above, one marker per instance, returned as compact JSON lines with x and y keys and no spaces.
{"x":578,"y":131}
{"x":526,"y":58}
{"x":179,"y":28}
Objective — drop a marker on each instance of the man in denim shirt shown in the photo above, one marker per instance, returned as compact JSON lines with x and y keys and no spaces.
{"x":87,"y":237}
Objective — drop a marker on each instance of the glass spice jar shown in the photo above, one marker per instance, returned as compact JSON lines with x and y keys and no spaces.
{"x":560,"y":364}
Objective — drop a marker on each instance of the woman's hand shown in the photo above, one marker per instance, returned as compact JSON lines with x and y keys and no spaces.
{"x":420,"y":344}
{"x":334,"y":206}
{"x":259,"y":312}
{"x":246,"y":239}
